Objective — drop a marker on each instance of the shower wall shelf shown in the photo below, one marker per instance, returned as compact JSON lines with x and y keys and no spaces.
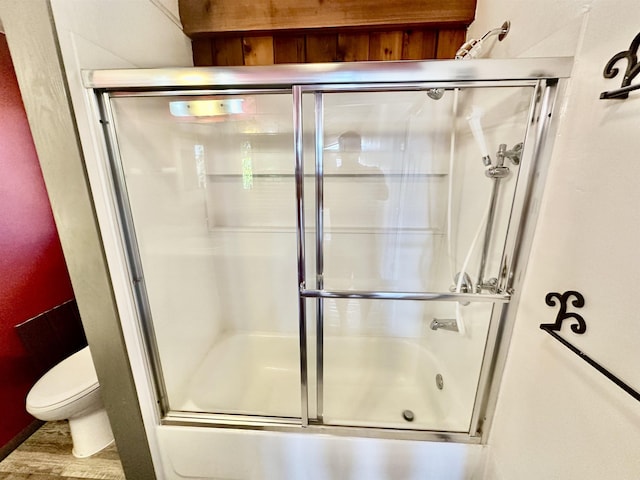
{"x":579,"y":328}
{"x":633,"y":69}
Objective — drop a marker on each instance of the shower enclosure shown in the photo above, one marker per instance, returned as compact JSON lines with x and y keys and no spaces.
{"x":327,"y":247}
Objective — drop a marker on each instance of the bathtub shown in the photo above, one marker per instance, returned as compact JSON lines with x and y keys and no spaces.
{"x":367,"y":382}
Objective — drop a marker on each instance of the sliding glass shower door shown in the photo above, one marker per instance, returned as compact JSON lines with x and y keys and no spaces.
{"x":337,"y":255}
{"x":402,"y":200}
{"x":210,"y":189}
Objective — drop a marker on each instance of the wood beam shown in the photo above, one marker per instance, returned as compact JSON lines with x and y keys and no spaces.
{"x":201,"y":17}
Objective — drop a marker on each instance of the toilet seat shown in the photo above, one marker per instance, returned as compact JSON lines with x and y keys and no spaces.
{"x":69,"y":381}
{"x":70,"y":391}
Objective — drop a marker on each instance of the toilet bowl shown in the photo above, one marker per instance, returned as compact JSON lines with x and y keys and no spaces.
{"x":70,"y":391}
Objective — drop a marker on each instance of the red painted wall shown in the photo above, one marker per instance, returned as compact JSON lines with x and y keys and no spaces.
{"x":33,"y":274}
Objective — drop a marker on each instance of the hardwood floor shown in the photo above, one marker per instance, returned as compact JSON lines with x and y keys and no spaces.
{"x":46,"y":455}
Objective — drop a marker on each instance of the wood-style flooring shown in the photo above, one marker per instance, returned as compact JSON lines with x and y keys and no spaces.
{"x":46,"y":455}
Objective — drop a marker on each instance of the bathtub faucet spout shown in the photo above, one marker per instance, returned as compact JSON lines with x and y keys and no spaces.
{"x":444,"y":323}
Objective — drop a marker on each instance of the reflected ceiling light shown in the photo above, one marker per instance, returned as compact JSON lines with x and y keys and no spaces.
{"x":207,"y":108}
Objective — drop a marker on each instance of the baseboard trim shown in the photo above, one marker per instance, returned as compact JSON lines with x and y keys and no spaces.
{"x":15,"y":442}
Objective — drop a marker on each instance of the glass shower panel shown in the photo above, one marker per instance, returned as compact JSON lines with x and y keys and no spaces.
{"x":405,"y":187}
{"x":385,"y":367}
{"x":382,"y":194}
{"x":408,"y":202}
{"x":211,"y":190}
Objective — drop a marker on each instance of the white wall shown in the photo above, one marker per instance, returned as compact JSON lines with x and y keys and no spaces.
{"x":556,"y":416}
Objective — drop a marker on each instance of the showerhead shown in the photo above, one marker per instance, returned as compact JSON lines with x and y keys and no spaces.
{"x":470,"y":49}
{"x":473,"y":47}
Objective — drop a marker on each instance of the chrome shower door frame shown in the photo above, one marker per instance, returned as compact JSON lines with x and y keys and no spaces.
{"x":544,"y":75}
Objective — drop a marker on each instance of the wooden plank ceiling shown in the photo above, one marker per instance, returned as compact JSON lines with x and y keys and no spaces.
{"x":264,"y":32}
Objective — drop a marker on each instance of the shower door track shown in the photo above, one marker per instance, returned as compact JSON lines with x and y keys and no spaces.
{"x":290,"y":425}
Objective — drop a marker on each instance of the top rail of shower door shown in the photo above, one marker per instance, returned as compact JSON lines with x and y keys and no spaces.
{"x":391,"y":295}
{"x":331,"y":73}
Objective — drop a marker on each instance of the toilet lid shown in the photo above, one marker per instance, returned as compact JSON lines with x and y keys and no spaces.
{"x":69,"y":380}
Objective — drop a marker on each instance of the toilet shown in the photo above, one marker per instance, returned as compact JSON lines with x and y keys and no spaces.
{"x":70,"y":391}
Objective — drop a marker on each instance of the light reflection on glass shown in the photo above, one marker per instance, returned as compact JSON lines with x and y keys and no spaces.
{"x":247,"y":168}
{"x":198,"y":151}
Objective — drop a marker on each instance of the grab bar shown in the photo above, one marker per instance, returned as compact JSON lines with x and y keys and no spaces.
{"x":423,"y":296}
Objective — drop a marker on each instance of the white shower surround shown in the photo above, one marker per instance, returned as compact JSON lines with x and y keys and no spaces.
{"x":187,"y":454}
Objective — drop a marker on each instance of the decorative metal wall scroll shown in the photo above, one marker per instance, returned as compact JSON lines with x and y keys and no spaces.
{"x":579,"y":327}
{"x":633,"y":69}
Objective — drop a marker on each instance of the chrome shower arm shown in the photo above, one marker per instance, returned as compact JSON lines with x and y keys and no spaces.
{"x":500,"y":31}
{"x":471,"y":48}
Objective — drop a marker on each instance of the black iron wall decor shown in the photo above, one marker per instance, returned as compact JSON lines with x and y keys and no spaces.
{"x":633,"y":68}
{"x":579,"y":327}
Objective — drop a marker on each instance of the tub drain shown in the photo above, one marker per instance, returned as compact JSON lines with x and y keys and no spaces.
{"x":439,"y":382}
{"x":408,"y":415}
